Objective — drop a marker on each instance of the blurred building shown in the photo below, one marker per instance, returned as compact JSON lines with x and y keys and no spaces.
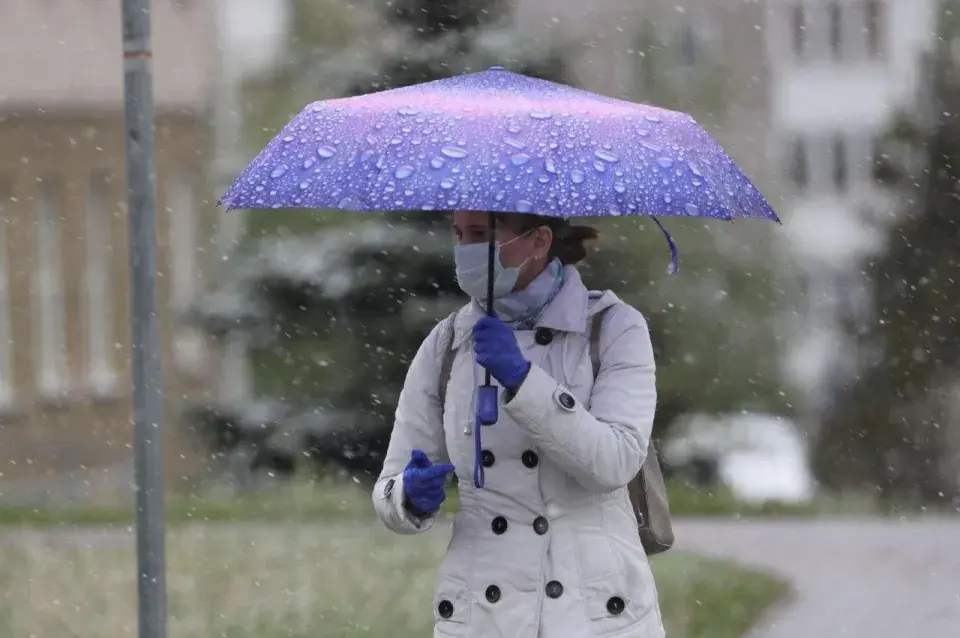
{"x":839,"y":71}
{"x":64,"y":300}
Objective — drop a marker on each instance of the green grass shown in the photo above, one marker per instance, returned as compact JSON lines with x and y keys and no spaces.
{"x":331,"y":501}
{"x":298,"y":580}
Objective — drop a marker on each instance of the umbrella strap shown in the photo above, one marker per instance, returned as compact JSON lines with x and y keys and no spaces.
{"x":674,"y":254}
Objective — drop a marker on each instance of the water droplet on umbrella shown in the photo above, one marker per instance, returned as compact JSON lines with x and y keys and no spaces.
{"x":437,"y":162}
{"x":408,"y":111}
{"x":447,"y":184}
{"x":346,"y":203}
{"x":664,"y":162}
{"x":606,"y":156}
{"x":496,"y":68}
{"x":515,"y":143}
{"x":652,"y":118}
{"x":307,"y":163}
{"x":499,"y":196}
{"x":599,"y":166}
{"x":513,"y":128}
{"x":396,"y":140}
{"x":577,"y":176}
{"x":428,"y":207}
{"x":305,"y":184}
{"x":453,"y":152}
{"x":289,"y":138}
{"x":326,"y":152}
{"x":519,"y":159}
{"x":550,"y":166}
{"x":403,"y":172}
{"x":651,"y":147}
{"x":523,"y":206}
{"x":694,"y":169}
{"x":620,"y":187}
{"x":667,"y":198}
{"x":692,"y":210}
{"x":541,"y":115}
{"x":279,"y":171}
{"x":543,"y":179}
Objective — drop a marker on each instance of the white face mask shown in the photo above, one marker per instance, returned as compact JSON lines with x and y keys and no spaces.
{"x":472,"y":261}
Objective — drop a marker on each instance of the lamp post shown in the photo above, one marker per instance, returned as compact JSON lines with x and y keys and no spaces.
{"x":146,"y":364}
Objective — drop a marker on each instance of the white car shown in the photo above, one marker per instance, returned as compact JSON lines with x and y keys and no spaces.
{"x":760,"y":457}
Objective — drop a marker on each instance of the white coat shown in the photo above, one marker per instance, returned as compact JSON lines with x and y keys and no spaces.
{"x":549,"y":547}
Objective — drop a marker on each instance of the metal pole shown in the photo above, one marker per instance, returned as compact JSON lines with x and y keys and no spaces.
{"x":146,"y":364}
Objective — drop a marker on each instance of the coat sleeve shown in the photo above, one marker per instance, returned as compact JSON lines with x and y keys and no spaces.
{"x":603,"y":448}
{"x":418,"y":424}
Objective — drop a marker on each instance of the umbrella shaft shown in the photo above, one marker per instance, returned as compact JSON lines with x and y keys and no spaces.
{"x":491,"y":257}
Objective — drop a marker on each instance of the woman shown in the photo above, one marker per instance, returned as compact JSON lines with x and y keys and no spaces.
{"x":548,"y":548}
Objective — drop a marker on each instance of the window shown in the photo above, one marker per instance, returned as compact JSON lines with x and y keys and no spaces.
{"x":798,"y":26}
{"x":51,"y":361}
{"x":101,"y":375}
{"x":836,"y":30}
{"x":798,"y":168}
{"x":184,"y":268}
{"x":6,"y":338}
{"x":841,"y":172}
{"x":873,"y":18}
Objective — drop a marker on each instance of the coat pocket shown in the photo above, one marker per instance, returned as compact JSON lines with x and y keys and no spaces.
{"x":613,"y":610}
{"x":452,"y":607}
{"x":628,"y":602}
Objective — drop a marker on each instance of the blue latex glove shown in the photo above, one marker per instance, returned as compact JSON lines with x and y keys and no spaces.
{"x":423,"y":483}
{"x":497,"y":350}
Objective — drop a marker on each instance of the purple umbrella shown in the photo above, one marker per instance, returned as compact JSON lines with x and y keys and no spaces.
{"x":500,"y":142}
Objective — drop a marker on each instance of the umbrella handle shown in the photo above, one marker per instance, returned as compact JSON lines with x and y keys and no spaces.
{"x":488,"y":394}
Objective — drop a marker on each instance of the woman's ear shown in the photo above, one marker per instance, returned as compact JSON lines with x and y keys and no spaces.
{"x":542,"y":241}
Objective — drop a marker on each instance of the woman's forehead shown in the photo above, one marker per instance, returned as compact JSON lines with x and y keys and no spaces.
{"x":476,"y":220}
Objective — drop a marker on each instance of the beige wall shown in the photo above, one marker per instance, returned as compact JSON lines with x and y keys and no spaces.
{"x":66,"y":54}
{"x":41,"y":439}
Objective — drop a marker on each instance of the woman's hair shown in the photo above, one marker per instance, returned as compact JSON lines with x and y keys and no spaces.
{"x":569,"y":241}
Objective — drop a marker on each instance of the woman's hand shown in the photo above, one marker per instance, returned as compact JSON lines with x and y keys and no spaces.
{"x":423,"y":483}
{"x":497,"y":350}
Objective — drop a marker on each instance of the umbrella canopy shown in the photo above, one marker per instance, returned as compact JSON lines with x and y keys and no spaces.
{"x":501,"y":142}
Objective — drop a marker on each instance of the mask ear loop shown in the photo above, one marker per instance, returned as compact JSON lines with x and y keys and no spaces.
{"x":674,"y":254}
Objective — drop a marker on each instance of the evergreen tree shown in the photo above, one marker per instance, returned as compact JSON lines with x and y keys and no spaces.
{"x":894,"y":427}
{"x":334,"y":317}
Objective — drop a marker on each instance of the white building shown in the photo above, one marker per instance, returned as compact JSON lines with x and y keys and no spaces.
{"x":838,"y":71}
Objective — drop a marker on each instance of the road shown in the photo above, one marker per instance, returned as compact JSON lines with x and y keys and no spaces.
{"x":851,"y":578}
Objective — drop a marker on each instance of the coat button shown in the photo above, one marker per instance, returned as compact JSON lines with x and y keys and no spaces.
{"x":445,"y":609}
{"x":530,"y":459}
{"x":567,"y":401}
{"x":615,"y":605}
{"x":487,"y":458}
{"x":543,"y":336}
{"x":499,"y":525}
{"x":554,"y":590}
{"x":540,"y":525}
{"x":493,"y":594}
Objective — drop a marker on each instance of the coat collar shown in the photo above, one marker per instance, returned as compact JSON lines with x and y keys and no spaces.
{"x":566,"y":312}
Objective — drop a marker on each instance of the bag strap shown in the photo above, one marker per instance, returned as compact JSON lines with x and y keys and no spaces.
{"x":596,"y":326}
{"x":446,"y":362}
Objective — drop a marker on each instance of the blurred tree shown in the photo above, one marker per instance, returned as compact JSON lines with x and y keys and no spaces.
{"x":334,"y":317}
{"x":894,"y":427}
